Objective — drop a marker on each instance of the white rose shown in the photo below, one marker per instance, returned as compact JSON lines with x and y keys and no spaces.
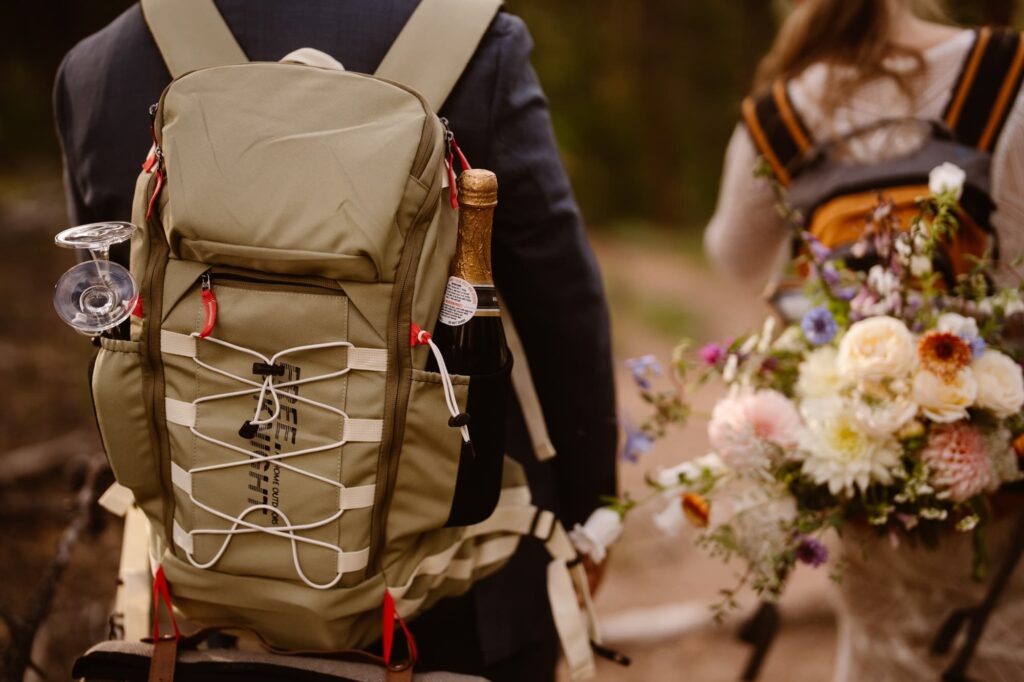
{"x":600,"y":531}
{"x":947,"y":178}
{"x":818,"y":374}
{"x":945,"y":401}
{"x":964,"y":327}
{"x":1000,"y":383}
{"x":884,"y":418}
{"x":875,"y":349}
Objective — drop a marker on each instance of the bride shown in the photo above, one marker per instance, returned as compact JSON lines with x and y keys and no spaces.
{"x":839,"y":66}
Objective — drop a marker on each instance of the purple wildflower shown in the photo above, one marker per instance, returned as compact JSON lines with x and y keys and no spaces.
{"x":638,"y":443}
{"x":643,"y":369}
{"x":829,"y":274}
{"x":810,"y":551}
{"x":819,"y":326}
{"x":712,"y":353}
{"x":818,"y":250}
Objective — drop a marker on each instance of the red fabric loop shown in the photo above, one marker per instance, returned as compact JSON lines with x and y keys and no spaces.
{"x":452,"y":181}
{"x":156,"y":193}
{"x":390,"y":615}
{"x":161,"y":590}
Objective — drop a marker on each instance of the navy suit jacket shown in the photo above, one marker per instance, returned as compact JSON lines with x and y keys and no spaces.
{"x":542,"y":261}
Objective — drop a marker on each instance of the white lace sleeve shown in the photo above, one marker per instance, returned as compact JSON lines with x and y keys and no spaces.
{"x":746,"y":234}
{"x":1008,"y":186}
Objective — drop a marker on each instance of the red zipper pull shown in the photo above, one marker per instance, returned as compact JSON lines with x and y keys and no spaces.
{"x":209,"y":303}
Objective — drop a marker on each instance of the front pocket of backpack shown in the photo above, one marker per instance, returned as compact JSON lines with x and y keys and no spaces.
{"x":124,"y":424}
{"x":478,"y":484}
{"x":264,"y":440}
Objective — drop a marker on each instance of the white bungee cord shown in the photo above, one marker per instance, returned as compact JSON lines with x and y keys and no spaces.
{"x":423,"y":336}
{"x":262,"y":389}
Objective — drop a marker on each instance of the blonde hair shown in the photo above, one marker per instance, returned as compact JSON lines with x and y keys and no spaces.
{"x":846,"y":33}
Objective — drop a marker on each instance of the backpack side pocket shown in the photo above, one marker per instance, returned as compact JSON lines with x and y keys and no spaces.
{"x":121,"y":415}
{"x":478,"y":484}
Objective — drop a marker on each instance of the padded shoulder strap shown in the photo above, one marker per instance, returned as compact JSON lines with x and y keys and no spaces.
{"x":986,"y":88}
{"x":777,"y":130}
{"x":191,"y":34}
{"x":436,"y":44}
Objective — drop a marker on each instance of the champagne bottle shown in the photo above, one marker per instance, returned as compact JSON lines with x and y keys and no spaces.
{"x":469,"y":332}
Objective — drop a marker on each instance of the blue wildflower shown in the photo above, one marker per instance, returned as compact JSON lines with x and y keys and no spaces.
{"x":819,"y":326}
{"x":638,"y":443}
{"x":643,"y":369}
{"x":810,"y":551}
{"x":977,"y":344}
{"x":819,"y":251}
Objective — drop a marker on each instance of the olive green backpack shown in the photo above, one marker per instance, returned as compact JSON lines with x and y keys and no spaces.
{"x":270,"y":410}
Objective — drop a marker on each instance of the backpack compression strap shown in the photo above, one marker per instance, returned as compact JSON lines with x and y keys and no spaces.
{"x":436,"y":44}
{"x":986,"y":88}
{"x":191,"y":34}
{"x":777,"y":130}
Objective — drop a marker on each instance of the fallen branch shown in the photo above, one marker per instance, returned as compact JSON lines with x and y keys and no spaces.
{"x":23,"y":630}
{"x":41,"y":458}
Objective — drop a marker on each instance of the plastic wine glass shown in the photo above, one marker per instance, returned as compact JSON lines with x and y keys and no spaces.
{"x":97,"y":294}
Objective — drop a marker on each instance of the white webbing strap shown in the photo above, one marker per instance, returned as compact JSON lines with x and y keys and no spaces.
{"x":569,"y":622}
{"x":183,"y":538}
{"x":174,"y":343}
{"x":355,"y":431}
{"x":526,"y":392}
{"x":180,"y":412}
{"x":362,"y":359}
{"x":181,"y":478}
{"x":353,"y":561}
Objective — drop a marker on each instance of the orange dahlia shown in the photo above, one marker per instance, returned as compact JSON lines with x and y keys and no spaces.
{"x":944,"y":354}
{"x":697,"y":510}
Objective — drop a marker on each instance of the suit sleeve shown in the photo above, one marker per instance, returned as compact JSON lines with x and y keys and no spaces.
{"x":550,"y":281}
{"x":78,"y":213}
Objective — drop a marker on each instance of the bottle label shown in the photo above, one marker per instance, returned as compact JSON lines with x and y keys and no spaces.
{"x":460,"y":302}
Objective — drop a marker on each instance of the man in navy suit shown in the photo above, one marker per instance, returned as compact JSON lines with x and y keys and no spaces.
{"x":542,"y":264}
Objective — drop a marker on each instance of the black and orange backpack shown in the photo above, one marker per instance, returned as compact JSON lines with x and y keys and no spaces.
{"x":834,"y":195}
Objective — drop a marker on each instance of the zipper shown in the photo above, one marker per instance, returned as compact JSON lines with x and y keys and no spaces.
{"x":312,"y":285}
{"x":387,"y":468}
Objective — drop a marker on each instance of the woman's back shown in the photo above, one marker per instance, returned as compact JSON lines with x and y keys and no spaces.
{"x":748,"y":239}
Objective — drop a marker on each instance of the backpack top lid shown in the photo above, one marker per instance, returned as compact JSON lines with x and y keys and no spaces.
{"x":977,"y":111}
{"x":428,"y":56}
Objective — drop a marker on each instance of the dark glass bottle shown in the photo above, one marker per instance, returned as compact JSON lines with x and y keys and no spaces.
{"x":470,"y":337}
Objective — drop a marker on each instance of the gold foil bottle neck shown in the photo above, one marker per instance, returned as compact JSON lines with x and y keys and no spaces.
{"x":478,"y":195}
{"x":478,"y":187}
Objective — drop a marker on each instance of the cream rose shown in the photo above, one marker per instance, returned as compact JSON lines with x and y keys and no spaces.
{"x":945,"y":401}
{"x":1000,"y":383}
{"x":875,"y":349}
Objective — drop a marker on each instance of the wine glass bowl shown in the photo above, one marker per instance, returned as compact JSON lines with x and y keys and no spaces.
{"x":97,"y":294}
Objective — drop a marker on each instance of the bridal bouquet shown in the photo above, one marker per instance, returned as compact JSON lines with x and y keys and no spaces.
{"x":894,"y":403}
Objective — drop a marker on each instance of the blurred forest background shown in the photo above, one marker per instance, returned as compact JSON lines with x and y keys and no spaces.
{"x":644,"y":95}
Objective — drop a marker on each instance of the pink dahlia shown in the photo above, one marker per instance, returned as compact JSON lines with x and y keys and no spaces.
{"x":746,"y":428}
{"x":958,"y":460}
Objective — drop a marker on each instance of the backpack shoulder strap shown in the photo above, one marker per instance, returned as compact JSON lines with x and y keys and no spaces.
{"x":986,"y":88}
{"x":191,"y":34}
{"x":436,"y":44}
{"x":777,"y":130}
